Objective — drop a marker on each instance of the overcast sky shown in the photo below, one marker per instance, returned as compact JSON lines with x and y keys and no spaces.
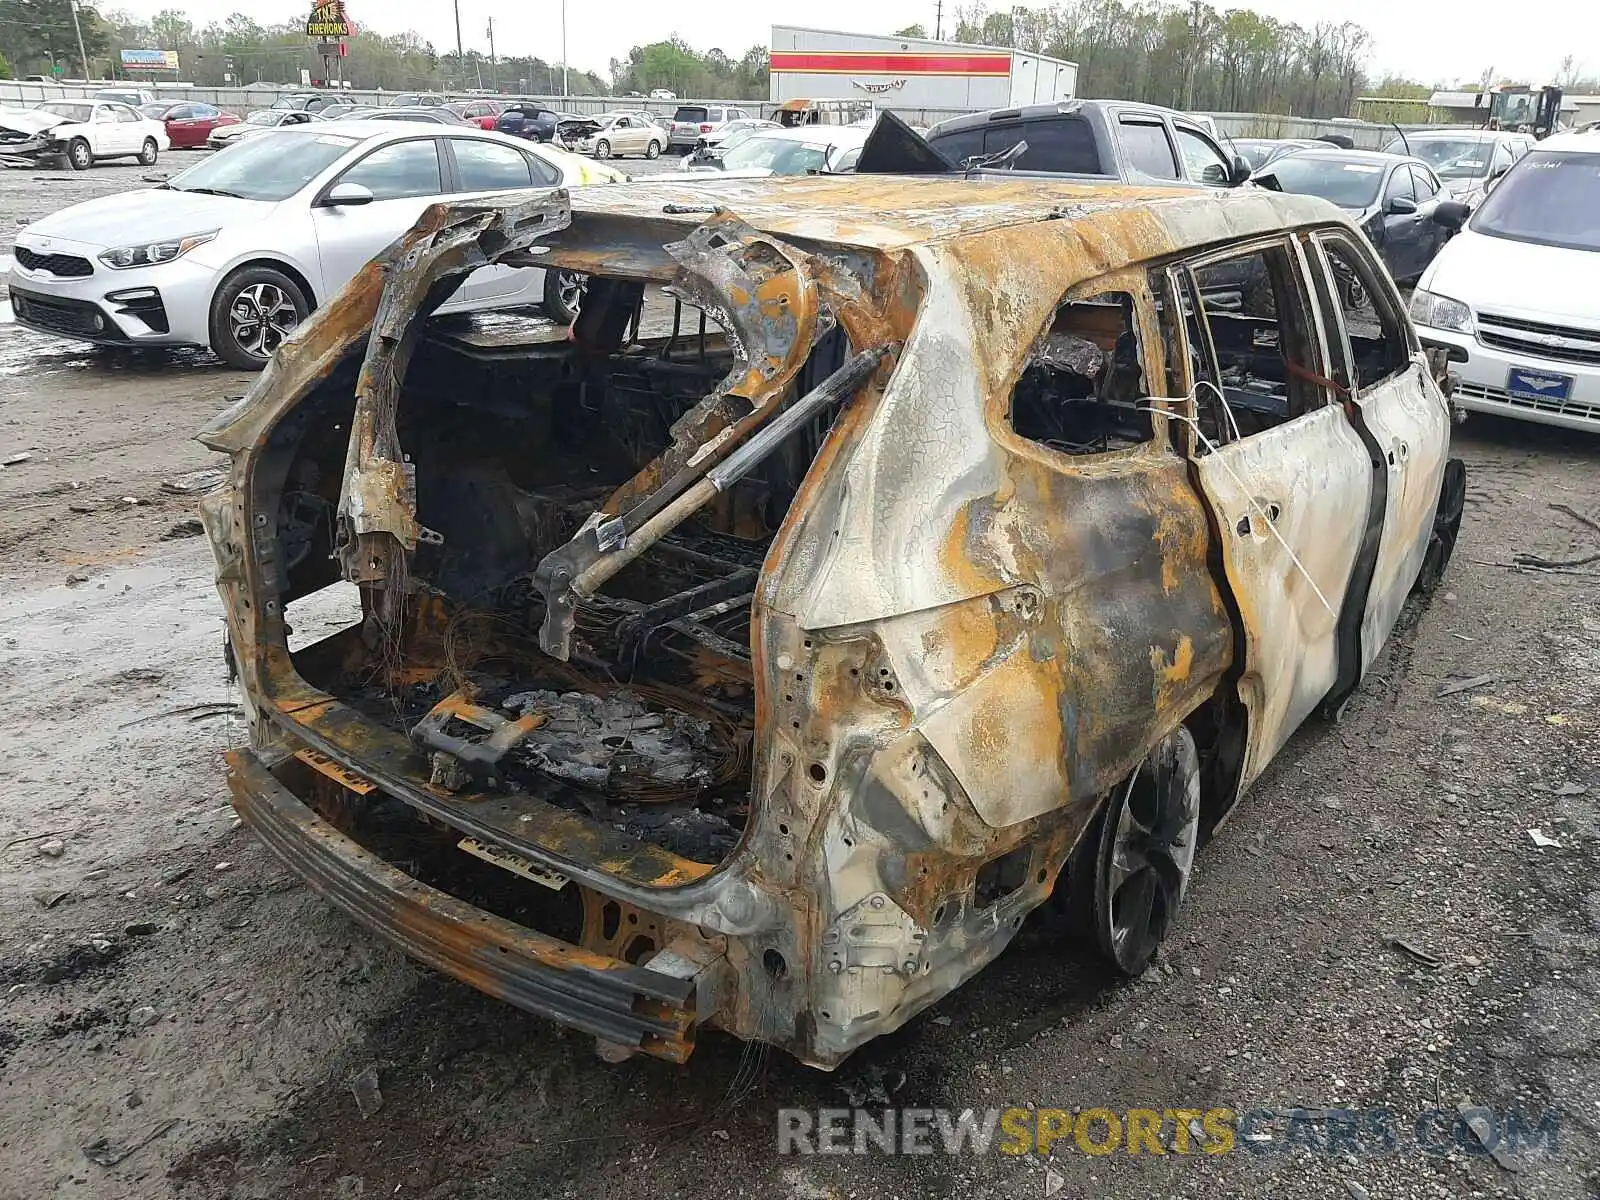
{"x":1430,"y":41}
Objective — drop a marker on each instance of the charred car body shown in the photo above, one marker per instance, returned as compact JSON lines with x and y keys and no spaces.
{"x":766,"y":673}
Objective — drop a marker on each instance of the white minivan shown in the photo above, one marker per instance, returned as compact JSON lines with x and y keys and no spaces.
{"x":1512,"y":297}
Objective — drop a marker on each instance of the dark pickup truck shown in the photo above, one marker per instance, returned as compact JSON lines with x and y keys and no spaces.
{"x":1089,"y":140}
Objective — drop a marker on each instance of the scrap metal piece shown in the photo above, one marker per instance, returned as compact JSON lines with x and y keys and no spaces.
{"x":479,"y":755}
{"x":377,"y":512}
{"x":517,"y":864}
{"x":767,"y":297}
{"x":572,"y":573}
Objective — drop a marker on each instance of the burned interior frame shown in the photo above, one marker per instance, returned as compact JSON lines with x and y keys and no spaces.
{"x":765,"y":673}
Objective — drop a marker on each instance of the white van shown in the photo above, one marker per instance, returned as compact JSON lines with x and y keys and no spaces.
{"x":1512,"y":297}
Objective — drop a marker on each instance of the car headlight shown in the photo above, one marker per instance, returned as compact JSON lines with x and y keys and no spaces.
{"x":148,"y":254}
{"x":1440,"y":312}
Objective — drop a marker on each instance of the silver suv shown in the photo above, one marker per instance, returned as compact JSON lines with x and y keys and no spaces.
{"x":692,"y":121}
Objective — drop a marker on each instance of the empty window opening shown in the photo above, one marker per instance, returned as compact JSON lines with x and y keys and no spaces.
{"x":1255,"y":354}
{"x":1377,"y":340}
{"x":1083,"y":389}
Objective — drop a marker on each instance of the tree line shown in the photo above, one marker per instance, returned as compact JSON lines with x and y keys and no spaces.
{"x":1184,"y":54}
{"x":38,"y":34}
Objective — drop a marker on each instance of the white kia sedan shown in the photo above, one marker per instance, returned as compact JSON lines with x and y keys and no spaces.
{"x":1512,"y":297}
{"x":235,"y":251}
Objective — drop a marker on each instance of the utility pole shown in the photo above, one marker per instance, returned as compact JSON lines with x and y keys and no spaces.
{"x":938,"y":21}
{"x":78,"y":29}
{"x":461,"y":59}
{"x":494,"y":82}
{"x":1194,"y":55}
{"x":563,"y":47}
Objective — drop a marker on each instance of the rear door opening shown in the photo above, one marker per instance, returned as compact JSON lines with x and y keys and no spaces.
{"x":513,"y":441}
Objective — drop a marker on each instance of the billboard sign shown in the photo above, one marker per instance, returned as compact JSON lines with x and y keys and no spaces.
{"x":328,"y":20}
{"x":150,"y":60}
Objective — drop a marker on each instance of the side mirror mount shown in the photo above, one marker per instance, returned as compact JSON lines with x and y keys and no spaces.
{"x":1452,"y":214}
{"x":1401,"y":206}
{"x":1240,"y":171}
{"x":348,"y":195}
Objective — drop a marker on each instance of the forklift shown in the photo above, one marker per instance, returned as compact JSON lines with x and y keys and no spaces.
{"x":1518,"y":108}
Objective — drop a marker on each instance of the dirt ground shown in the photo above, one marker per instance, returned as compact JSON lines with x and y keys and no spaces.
{"x":180,"y":1016}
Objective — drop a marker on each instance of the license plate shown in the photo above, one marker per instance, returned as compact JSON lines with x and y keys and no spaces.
{"x":1528,"y":384}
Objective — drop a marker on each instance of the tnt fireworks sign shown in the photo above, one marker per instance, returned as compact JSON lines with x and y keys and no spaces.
{"x":328,"y":20}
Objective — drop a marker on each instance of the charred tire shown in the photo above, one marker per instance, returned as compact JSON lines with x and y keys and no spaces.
{"x":563,"y":294}
{"x":252,"y":312}
{"x":79,"y":156}
{"x":1144,"y":855}
{"x":602,"y":149}
{"x":653,"y":150}
{"x":148,"y":153}
{"x":1446,"y":525}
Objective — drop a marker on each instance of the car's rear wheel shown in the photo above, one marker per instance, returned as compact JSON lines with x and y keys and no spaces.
{"x":252,"y":313}
{"x":563,"y":294}
{"x":1130,"y":872}
{"x":1446,"y":525}
{"x":602,"y":149}
{"x":148,"y":153}
{"x":653,"y":150}
{"x":79,"y":156}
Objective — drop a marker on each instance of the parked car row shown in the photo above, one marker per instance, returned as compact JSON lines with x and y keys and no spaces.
{"x":1409,"y":206}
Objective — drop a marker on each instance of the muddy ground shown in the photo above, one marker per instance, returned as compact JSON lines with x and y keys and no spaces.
{"x":179,"y":1016}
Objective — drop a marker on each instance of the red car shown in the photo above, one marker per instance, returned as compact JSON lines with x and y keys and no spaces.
{"x":481,"y":113}
{"x":190,"y":123}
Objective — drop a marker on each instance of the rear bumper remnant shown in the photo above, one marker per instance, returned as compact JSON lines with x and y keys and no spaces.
{"x":628,"y":1006}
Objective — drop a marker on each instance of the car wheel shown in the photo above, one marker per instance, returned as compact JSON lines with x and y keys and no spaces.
{"x":1446,"y":525}
{"x":602,"y":149}
{"x":563,"y":294}
{"x":79,"y":156}
{"x":1144,"y":854}
{"x":148,"y":153}
{"x":253,"y":311}
{"x":653,"y":150}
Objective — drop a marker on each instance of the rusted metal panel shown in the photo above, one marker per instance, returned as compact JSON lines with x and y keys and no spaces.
{"x":603,"y":995}
{"x":1288,"y":564}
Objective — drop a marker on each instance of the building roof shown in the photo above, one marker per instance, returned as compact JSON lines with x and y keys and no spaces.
{"x":1457,"y":100}
{"x":936,"y":44}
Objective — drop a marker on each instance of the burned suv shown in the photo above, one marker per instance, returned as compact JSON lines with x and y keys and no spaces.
{"x":870,"y":563}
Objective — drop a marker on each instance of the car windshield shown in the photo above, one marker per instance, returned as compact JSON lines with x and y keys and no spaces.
{"x":271,"y":166}
{"x":738,"y":137}
{"x":781,"y":156}
{"x":1348,"y":184}
{"x":690,"y":112}
{"x":1450,"y":158}
{"x":264,"y":116}
{"x":1548,"y":198}
{"x":65,"y":108}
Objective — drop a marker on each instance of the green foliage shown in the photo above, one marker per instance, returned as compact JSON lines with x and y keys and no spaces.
{"x":680,"y":69}
{"x":5,"y":68}
{"x":912,"y":31}
{"x":1398,"y":87}
{"x":1188,"y":55}
{"x":277,"y":53}
{"x":37,"y":33}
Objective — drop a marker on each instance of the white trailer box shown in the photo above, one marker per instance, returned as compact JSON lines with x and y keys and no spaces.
{"x":912,"y":73}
